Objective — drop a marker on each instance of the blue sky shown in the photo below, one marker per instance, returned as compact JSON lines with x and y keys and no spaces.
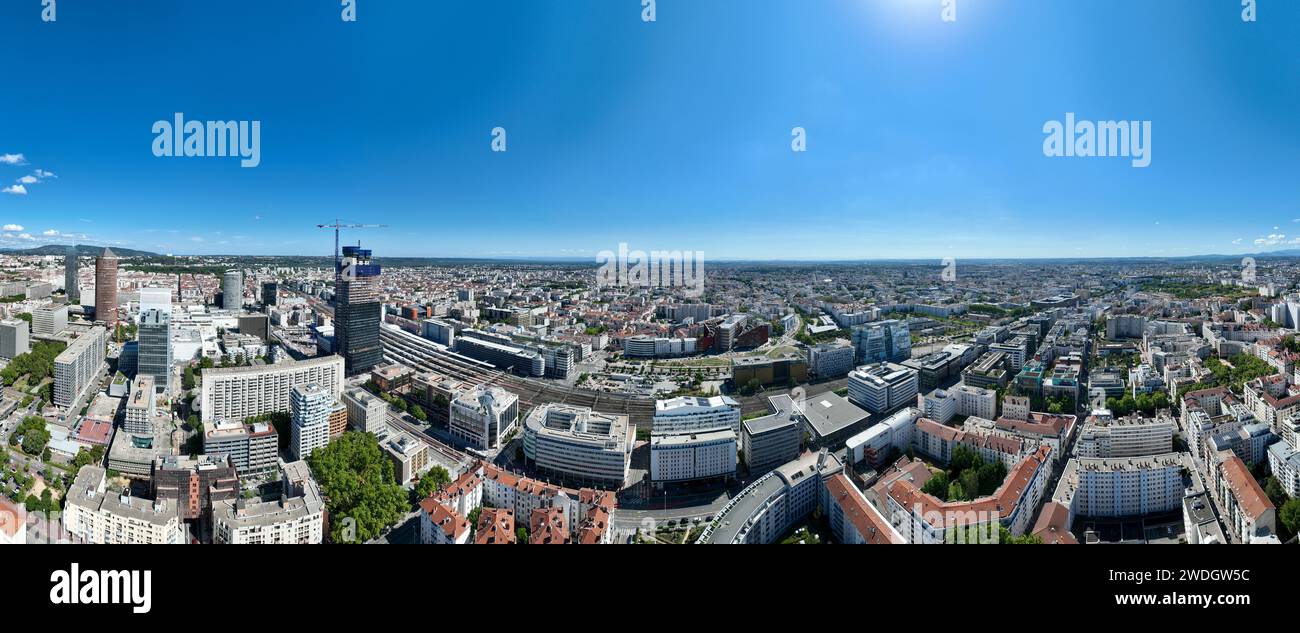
{"x":924,"y":137}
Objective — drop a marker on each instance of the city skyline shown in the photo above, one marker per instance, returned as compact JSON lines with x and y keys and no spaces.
{"x":622,"y":131}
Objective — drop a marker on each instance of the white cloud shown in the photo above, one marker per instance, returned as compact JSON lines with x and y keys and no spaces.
{"x":1236,"y":241}
{"x":50,"y":233}
{"x":28,"y":180}
{"x":1275,"y":239}
{"x":12,"y":227}
{"x":196,"y":239}
{"x":41,"y":173}
{"x":17,"y":190}
{"x":13,"y":159}
{"x":25,"y":236}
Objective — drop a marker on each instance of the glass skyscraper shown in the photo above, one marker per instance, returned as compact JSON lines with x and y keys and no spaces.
{"x":357,"y":311}
{"x":155,"y":350}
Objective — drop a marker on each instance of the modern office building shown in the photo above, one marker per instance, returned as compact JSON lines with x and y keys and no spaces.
{"x":829,"y":361}
{"x":939,"y":405}
{"x":253,"y":449}
{"x":987,"y":372}
{"x":106,"y":288}
{"x":94,"y":514}
{"x":501,"y":352}
{"x":693,"y":414}
{"x":232,"y":290}
{"x":49,"y":320}
{"x":77,"y":366}
{"x":439,"y":331}
{"x":14,"y":338}
{"x":770,"y":441}
{"x":888,"y":341}
{"x":358,"y":311}
{"x":309,"y":418}
{"x":71,"y":279}
{"x":482,"y":417}
{"x":270,"y":294}
{"x":238,"y":393}
{"x":579,"y":445}
{"x":255,"y":325}
{"x":141,"y":407}
{"x":882,"y":387}
{"x":155,"y":348}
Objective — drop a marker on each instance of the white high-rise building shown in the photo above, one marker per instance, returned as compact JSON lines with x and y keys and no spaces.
{"x":309,"y":414}
{"x":76,"y":367}
{"x":238,"y":393}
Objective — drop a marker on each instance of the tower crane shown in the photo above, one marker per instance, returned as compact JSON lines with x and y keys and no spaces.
{"x":337,"y":225}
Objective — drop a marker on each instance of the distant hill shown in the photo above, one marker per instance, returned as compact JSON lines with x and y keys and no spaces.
{"x":84,"y":250}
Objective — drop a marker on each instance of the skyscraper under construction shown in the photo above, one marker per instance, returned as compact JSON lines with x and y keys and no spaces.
{"x":357,"y":311}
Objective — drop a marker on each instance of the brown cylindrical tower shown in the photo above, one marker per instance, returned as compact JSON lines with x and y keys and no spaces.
{"x":106,"y":288}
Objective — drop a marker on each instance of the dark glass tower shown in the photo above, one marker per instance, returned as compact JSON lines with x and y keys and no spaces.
{"x":357,"y":311}
{"x":70,"y":285}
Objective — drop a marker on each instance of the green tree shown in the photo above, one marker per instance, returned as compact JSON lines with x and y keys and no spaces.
{"x":1289,"y":516}
{"x":436,"y":479}
{"x":357,"y":480}
{"x":521,"y":536}
{"x":937,"y":486}
{"x":418,"y":412}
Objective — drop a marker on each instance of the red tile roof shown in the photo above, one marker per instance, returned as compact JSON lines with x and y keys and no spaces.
{"x":866,"y":519}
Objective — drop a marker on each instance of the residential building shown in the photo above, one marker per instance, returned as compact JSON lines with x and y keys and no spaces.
{"x":297,"y":517}
{"x":92,"y":513}
{"x":701,"y":455}
{"x":238,"y":393}
{"x":309,"y":414}
{"x":77,"y":367}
